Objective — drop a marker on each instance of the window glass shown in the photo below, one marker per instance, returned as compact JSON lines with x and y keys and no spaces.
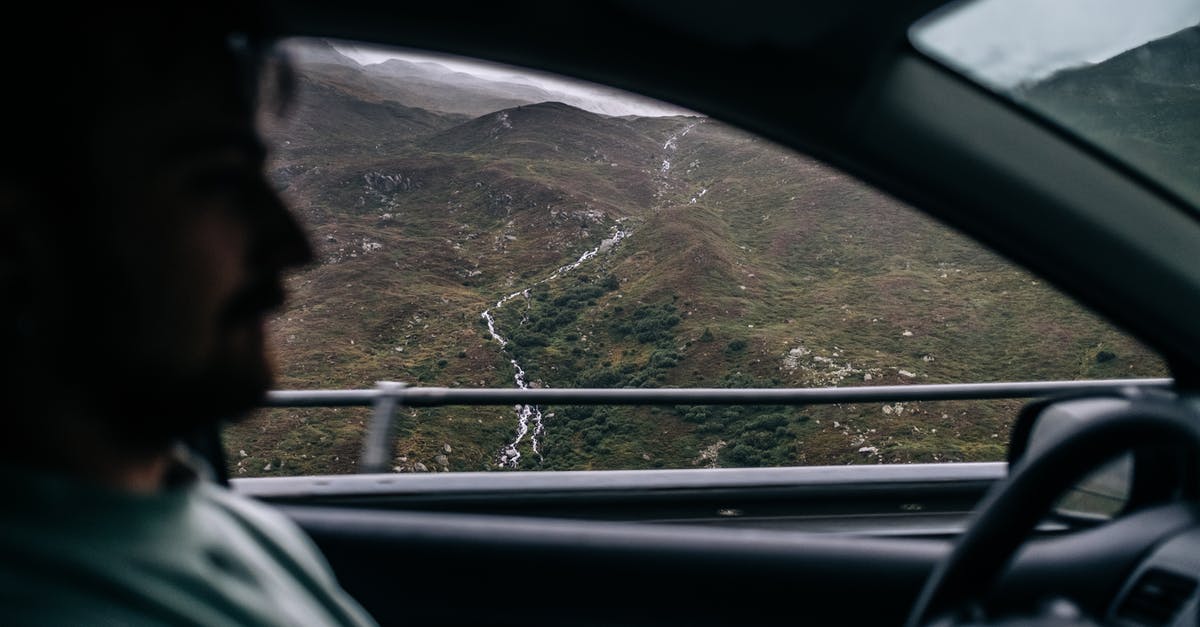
{"x":1123,"y":76}
{"x":483,"y":226}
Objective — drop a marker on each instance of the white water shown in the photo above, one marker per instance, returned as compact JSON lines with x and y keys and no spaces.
{"x":531,"y":415}
{"x":669,"y":147}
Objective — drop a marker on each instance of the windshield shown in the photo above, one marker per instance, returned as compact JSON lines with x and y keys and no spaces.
{"x":1123,"y":76}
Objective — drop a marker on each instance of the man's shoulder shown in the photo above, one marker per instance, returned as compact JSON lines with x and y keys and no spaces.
{"x":251,"y":510}
{"x":288,"y":545}
{"x":266,"y":524}
{"x":261,"y":520}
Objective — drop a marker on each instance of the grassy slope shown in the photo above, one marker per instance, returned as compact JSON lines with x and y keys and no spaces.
{"x":747,"y":265}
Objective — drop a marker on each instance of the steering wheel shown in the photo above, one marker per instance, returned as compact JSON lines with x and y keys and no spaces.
{"x":1010,"y":512}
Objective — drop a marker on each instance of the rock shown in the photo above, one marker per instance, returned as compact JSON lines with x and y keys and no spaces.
{"x":419,"y":467}
{"x":388,"y":183}
{"x":869,"y":450}
{"x":268,"y":467}
{"x":441,"y":460}
{"x":446,"y":449}
{"x":646,"y":456}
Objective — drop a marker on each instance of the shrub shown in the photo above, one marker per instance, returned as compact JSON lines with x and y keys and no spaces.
{"x":743,"y":455}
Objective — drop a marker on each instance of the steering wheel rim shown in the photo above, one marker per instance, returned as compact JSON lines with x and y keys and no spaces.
{"x":1010,"y":512}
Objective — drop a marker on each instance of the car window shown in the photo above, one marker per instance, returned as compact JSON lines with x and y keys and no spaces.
{"x":1121,"y":76}
{"x":485,"y":226}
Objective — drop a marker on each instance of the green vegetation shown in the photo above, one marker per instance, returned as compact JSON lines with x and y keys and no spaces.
{"x":746,"y":266}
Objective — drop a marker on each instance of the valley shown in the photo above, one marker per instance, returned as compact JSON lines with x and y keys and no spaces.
{"x":539,"y":244}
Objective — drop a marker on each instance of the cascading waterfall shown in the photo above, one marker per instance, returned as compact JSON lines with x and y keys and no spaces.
{"x":530,"y":416}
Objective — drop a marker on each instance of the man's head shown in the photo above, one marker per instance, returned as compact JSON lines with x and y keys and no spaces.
{"x":146,"y":245}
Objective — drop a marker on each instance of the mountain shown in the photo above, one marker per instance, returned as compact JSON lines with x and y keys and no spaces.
{"x":1140,"y":106}
{"x":310,"y":52}
{"x":570,"y":133}
{"x":361,"y":123}
{"x":433,"y":86}
{"x":1170,"y":61}
{"x":545,"y":245}
{"x":477,"y":90}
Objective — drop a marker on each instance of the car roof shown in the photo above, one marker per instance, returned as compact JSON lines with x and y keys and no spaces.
{"x":841,"y":81}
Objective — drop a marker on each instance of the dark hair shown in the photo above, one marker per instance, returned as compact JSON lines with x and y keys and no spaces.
{"x":91,"y":64}
{"x":58,"y":90}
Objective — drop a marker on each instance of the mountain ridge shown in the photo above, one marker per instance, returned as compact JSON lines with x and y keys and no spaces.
{"x":572,"y":249}
{"x":1139,"y":106}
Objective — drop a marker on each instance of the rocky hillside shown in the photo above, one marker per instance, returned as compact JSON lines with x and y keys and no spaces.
{"x":544,"y":245}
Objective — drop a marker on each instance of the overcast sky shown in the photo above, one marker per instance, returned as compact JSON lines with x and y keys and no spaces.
{"x":1005,"y":42}
{"x":999,"y":42}
{"x":590,"y":96}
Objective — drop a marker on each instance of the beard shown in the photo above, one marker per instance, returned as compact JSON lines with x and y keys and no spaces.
{"x":150,"y":346}
{"x":167,"y":407}
{"x":153,"y":400}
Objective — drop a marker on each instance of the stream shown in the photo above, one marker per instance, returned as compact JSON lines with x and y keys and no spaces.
{"x":530,"y":416}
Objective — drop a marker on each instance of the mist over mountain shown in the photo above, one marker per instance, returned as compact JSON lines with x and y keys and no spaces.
{"x":310,"y":52}
{"x":544,"y":245}
{"x":432,"y":86}
{"x":1142,"y":106}
{"x":473,"y":89}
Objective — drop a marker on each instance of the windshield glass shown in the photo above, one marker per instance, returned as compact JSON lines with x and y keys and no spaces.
{"x":1124,"y":76}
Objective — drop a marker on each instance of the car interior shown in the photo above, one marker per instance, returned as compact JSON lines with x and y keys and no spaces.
{"x":848,"y":84}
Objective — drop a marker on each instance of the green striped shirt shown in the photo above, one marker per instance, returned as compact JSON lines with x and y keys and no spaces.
{"x":193,"y":554}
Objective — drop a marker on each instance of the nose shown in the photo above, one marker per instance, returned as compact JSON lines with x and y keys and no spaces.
{"x":280,"y":241}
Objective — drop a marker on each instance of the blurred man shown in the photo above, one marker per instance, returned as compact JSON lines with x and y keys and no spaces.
{"x":142,"y":250}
